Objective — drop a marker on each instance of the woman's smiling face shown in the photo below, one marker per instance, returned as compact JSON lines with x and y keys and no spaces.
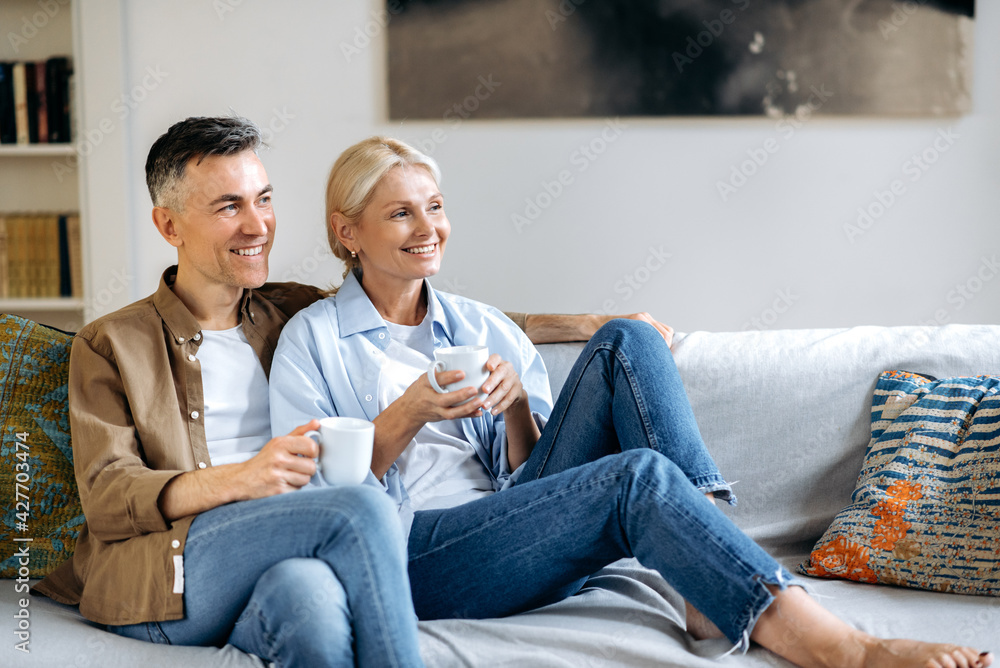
{"x":401,"y":234}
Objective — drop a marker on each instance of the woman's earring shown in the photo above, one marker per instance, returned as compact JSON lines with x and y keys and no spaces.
{"x":354,"y":255}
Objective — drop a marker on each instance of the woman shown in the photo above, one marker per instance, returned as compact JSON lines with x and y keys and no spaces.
{"x":511,"y":503}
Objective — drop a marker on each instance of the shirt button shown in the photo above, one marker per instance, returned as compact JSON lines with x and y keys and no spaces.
{"x":180,"y":339}
{"x":191,"y":358}
{"x":194,"y":415}
{"x":175,"y":543}
{"x":368,"y":397}
{"x":197,"y":337}
{"x":202,"y":465}
{"x":381,"y":335}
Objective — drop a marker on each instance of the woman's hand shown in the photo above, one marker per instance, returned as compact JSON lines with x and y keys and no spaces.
{"x":399,"y":423}
{"x":506,"y":395}
{"x":425,"y":404}
{"x":666,"y":331}
{"x":503,"y":387}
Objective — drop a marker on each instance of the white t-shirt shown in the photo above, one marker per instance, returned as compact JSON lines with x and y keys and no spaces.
{"x":237,"y":413}
{"x":439,"y":468}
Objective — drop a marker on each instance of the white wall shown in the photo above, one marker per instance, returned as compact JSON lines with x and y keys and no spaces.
{"x":774,"y":255}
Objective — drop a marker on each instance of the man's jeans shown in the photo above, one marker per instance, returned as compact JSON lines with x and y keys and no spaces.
{"x":312,"y":578}
{"x":620,"y":471}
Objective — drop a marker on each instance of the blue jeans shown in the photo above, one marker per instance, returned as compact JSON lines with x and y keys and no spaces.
{"x":310,"y":578}
{"x":619,"y":471}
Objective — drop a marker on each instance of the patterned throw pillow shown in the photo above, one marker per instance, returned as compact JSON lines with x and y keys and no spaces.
{"x":38,"y":494}
{"x":926,"y":509}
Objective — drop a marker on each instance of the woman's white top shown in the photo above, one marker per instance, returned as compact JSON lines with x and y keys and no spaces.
{"x":439,"y":467}
{"x":237,"y":414}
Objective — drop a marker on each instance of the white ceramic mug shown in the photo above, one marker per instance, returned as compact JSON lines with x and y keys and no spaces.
{"x":469,"y":359}
{"x":345,"y":449}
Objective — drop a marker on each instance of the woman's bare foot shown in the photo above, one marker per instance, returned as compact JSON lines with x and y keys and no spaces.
{"x":797,"y":628}
{"x":906,"y":653}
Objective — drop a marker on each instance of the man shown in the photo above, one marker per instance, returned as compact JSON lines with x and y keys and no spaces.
{"x":190,"y":537}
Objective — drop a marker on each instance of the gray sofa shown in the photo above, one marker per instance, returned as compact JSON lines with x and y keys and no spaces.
{"x":786,"y":415}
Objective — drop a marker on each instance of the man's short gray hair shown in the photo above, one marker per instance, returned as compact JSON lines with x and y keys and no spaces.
{"x":194,"y":137}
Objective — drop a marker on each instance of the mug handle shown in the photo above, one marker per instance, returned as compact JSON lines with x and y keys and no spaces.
{"x":434,"y":367}
{"x":315,"y":435}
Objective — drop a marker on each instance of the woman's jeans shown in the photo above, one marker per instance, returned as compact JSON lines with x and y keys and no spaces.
{"x":620,"y":471}
{"x":316,"y":577}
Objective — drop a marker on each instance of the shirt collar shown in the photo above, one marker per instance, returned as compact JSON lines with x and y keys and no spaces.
{"x":181,"y":324}
{"x":356,"y":313}
{"x":175,"y":315}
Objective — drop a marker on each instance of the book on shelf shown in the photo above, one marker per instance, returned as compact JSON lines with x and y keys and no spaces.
{"x":57,"y":75}
{"x":74,"y":257}
{"x":8,"y":125}
{"x":42,"y":103}
{"x":35,"y":101}
{"x":40,"y":255}
{"x":31,"y":99}
{"x":21,"y":104}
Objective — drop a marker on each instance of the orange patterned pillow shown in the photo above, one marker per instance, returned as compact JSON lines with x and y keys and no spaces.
{"x":925,"y":512}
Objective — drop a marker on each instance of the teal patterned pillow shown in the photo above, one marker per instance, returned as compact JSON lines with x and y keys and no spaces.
{"x":925,"y":512}
{"x":38,"y":493}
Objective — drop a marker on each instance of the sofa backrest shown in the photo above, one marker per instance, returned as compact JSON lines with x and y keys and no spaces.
{"x":786,"y":413}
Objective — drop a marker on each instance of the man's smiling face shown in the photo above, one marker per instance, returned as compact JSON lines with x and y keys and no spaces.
{"x":227,"y":225}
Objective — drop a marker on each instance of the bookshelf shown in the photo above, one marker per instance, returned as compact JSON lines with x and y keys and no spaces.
{"x":36,"y":151}
{"x":41,"y":305}
{"x":64,"y":178}
{"x":30,"y":182}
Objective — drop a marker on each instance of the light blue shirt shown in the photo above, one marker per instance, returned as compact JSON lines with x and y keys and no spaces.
{"x":330,"y":356}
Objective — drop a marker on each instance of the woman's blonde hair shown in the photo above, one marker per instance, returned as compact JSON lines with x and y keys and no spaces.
{"x":353,"y":180}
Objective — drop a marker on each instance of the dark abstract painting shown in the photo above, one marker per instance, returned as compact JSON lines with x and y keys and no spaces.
{"x":459,"y":59}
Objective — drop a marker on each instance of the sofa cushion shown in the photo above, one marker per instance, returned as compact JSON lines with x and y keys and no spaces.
{"x":925,"y":512}
{"x":38,"y":492}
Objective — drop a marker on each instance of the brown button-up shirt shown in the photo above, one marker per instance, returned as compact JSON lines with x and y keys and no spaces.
{"x":137,"y":418}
